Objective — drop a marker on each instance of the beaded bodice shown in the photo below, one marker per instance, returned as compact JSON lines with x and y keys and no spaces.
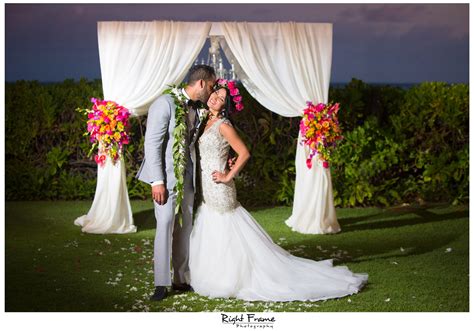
{"x":214,"y":151}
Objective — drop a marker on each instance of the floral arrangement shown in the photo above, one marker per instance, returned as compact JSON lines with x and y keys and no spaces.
{"x":320,"y":131}
{"x":234,"y":92}
{"x":107,"y":127}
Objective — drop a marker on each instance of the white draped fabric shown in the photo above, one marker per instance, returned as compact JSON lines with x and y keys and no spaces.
{"x":137,"y":60}
{"x":283,"y":65}
{"x":111,"y":211}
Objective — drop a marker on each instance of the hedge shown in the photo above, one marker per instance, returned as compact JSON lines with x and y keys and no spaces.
{"x":400,"y":146}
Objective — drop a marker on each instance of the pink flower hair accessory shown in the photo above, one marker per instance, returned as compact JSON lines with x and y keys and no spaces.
{"x":231,"y":85}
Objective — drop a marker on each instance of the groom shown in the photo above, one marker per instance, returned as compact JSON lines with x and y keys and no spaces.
{"x":157,"y":169}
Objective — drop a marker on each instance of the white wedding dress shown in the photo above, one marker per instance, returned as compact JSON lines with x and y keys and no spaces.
{"x":231,"y":255}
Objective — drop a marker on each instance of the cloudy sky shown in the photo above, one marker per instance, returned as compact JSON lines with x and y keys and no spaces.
{"x":394,"y":43}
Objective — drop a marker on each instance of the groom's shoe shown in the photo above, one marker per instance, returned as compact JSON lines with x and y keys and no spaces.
{"x":182,"y":287}
{"x":160,"y":293}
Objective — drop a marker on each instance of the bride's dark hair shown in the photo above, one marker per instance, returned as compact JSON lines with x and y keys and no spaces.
{"x":227,"y":111}
{"x":229,"y":105}
{"x":233,"y":100}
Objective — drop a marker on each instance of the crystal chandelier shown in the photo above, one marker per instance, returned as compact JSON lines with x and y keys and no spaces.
{"x":214,"y":59}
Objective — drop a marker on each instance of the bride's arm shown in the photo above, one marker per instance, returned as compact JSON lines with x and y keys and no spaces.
{"x":230,"y":134}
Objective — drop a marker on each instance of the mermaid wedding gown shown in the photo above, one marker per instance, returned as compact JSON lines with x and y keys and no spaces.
{"x":231,"y":255}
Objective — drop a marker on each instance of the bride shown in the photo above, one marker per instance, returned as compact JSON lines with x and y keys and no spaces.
{"x":231,"y":255}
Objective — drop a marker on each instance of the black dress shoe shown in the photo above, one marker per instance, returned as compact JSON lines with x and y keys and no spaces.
{"x":160,"y":293}
{"x":182,"y":287}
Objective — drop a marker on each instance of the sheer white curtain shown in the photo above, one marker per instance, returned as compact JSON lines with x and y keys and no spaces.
{"x":137,"y":60}
{"x":283,"y":65}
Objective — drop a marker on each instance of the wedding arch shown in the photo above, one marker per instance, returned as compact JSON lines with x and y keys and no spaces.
{"x":281,"y":64}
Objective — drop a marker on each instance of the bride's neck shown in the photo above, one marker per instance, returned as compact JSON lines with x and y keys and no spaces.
{"x":214,"y":113}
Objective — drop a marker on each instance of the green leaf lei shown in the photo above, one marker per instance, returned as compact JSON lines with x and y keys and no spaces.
{"x":179,"y":145}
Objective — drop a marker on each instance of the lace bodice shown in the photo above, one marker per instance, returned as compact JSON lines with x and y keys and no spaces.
{"x":214,"y":151}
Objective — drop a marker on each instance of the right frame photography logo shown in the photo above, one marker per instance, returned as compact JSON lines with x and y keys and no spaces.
{"x":249,"y":321}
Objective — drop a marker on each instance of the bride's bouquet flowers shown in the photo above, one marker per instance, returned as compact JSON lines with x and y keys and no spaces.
{"x":107,"y":127}
{"x":320,"y":131}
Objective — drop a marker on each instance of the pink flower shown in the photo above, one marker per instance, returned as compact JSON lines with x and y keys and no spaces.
{"x":98,"y":120}
{"x":239,"y":106}
{"x":308,"y":163}
{"x":237,"y":98}
{"x":100,"y":160}
{"x":326,"y":164}
{"x":231,"y":85}
{"x":234,"y":92}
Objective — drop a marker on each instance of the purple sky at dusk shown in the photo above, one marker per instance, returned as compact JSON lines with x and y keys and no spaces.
{"x":393,"y":43}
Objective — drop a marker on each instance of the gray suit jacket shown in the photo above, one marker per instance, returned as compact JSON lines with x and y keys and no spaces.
{"x":158,"y":161}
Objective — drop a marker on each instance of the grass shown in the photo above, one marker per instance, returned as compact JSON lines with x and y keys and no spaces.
{"x":417,"y":259}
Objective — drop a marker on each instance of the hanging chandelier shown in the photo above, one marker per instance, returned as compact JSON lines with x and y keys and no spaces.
{"x":215,"y":60}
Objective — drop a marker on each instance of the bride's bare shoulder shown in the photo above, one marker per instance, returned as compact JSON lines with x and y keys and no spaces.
{"x":226,"y":121}
{"x":226,"y":127}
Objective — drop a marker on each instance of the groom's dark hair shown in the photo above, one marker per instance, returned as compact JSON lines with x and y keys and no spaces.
{"x":201,"y":71}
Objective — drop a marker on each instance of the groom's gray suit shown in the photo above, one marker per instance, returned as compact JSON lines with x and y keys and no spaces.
{"x":171,"y":240}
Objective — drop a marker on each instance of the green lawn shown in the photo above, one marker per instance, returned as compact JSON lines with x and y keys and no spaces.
{"x":417,"y":259}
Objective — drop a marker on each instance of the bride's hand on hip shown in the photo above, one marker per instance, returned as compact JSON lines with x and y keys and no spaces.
{"x":220,"y":177}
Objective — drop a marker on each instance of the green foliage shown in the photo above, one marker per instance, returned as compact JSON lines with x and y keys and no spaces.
{"x":413,"y":146}
{"x":433,"y":124}
{"x":45,"y":148}
{"x":400,"y":145}
{"x":268,"y":178}
{"x":364,"y":167}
